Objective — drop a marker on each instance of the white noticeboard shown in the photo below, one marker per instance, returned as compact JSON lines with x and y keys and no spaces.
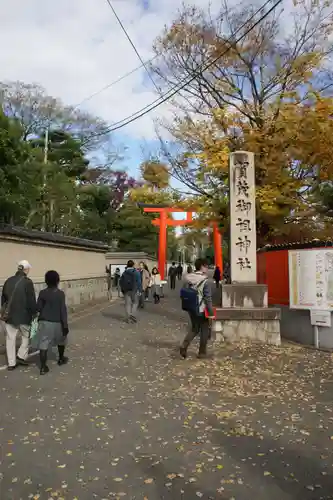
{"x":311,"y":279}
{"x":320,"y":318}
{"x":122,"y":268}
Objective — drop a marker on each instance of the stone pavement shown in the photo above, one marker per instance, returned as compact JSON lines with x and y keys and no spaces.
{"x":128,"y":419}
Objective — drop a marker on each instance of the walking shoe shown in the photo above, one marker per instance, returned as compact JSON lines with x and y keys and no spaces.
{"x":11,"y":368}
{"x":62,"y":361}
{"x":202,"y":355}
{"x":133,"y":319}
{"x":44,"y":370}
{"x":21,"y":361}
{"x":183,"y":352}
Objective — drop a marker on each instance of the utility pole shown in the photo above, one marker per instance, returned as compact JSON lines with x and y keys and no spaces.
{"x":46,"y":152}
{"x":46,"y":146}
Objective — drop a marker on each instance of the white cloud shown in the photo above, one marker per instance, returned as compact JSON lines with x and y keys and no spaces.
{"x":74,"y":48}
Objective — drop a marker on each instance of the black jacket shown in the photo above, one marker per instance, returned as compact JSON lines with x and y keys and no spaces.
{"x":23,"y":303}
{"x":51,"y":305}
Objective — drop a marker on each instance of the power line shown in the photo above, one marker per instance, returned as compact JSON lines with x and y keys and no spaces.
{"x":174,"y":90}
{"x":114,"y":82}
{"x":118,"y":80}
{"x":133,"y":45}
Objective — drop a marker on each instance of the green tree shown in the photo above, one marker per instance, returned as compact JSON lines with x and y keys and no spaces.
{"x":17,"y":173}
{"x":64,"y":150}
{"x":134,"y":231}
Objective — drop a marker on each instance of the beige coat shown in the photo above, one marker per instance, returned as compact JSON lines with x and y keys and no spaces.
{"x":145,"y":279}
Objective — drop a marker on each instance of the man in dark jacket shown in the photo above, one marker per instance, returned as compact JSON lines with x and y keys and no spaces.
{"x":199,"y":323}
{"x":131,"y":287}
{"x":180,"y":271}
{"x":172,"y":274}
{"x":19,"y":295}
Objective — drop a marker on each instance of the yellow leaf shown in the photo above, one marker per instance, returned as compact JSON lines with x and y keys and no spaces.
{"x":149,"y":481}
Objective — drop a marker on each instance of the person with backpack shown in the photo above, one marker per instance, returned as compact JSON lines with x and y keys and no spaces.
{"x":131,"y":288}
{"x":196,"y":297}
{"x":18,"y":308}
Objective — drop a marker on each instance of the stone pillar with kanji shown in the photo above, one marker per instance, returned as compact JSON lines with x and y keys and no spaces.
{"x":245,"y":313}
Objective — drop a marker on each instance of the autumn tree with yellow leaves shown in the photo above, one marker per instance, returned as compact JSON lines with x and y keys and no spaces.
{"x":270,"y":93}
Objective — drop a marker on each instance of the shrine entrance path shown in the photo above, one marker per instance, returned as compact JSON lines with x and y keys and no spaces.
{"x":126,"y":418}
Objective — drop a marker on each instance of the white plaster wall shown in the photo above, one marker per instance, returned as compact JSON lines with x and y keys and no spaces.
{"x":71,"y":263}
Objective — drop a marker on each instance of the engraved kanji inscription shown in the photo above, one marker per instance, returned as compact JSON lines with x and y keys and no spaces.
{"x":243,"y":206}
{"x":243,"y":224}
{"x":243,"y":243}
{"x":242,"y":187}
{"x":244,"y":263}
{"x":241,"y":170}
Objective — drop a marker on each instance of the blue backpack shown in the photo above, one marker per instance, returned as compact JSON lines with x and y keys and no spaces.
{"x":191,"y":301}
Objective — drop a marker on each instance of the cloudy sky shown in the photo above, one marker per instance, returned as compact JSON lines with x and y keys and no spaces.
{"x":75,"y":48}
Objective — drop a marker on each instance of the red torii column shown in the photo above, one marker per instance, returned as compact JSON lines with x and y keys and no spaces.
{"x":164,"y":221}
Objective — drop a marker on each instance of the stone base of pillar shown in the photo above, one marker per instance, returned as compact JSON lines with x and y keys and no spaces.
{"x":245,"y":315}
{"x":253,"y":324}
{"x":244,"y":295}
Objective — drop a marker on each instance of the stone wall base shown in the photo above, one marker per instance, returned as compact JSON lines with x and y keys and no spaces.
{"x":80,"y":292}
{"x":253,"y":324}
{"x":267,"y":332}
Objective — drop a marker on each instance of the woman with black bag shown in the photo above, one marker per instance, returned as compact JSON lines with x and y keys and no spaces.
{"x":52,"y":321}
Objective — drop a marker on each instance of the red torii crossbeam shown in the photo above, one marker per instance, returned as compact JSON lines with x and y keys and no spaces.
{"x":164,"y":221}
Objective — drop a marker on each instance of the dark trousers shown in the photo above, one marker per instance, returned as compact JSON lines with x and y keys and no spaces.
{"x":172,"y":282}
{"x":199,"y":326}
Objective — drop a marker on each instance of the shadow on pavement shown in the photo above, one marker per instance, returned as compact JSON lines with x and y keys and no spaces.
{"x":272,"y":470}
{"x":160,"y":344}
{"x":114,"y":315}
{"x":177,"y":489}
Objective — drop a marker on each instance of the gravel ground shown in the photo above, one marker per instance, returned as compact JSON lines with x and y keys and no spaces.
{"x":126,"y":418}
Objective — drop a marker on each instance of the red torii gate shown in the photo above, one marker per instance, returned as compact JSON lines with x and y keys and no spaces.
{"x":164,"y":221}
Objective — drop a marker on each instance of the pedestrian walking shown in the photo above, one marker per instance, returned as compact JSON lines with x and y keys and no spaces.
{"x":18,"y":308}
{"x":172,"y":274}
{"x":145,"y":279}
{"x":109,"y":283}
{"x":189,"y":269}
{"x":116,"y":280}
{"x":130,"y":285}
{"x":156,"y":285}
{"x":196,"y":296}
{"x":179,"y":271}
{"x":52,"y":321}
{"x":217,"y":276}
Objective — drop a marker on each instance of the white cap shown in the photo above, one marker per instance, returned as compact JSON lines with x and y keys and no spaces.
{"x":24,"y":264}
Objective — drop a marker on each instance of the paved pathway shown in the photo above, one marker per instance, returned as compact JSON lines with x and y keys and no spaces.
{"x":128,"y":419}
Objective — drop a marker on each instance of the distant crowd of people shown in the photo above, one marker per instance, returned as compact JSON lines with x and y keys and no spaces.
{"x":138,"y":283}
{"x":22,"y":314}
